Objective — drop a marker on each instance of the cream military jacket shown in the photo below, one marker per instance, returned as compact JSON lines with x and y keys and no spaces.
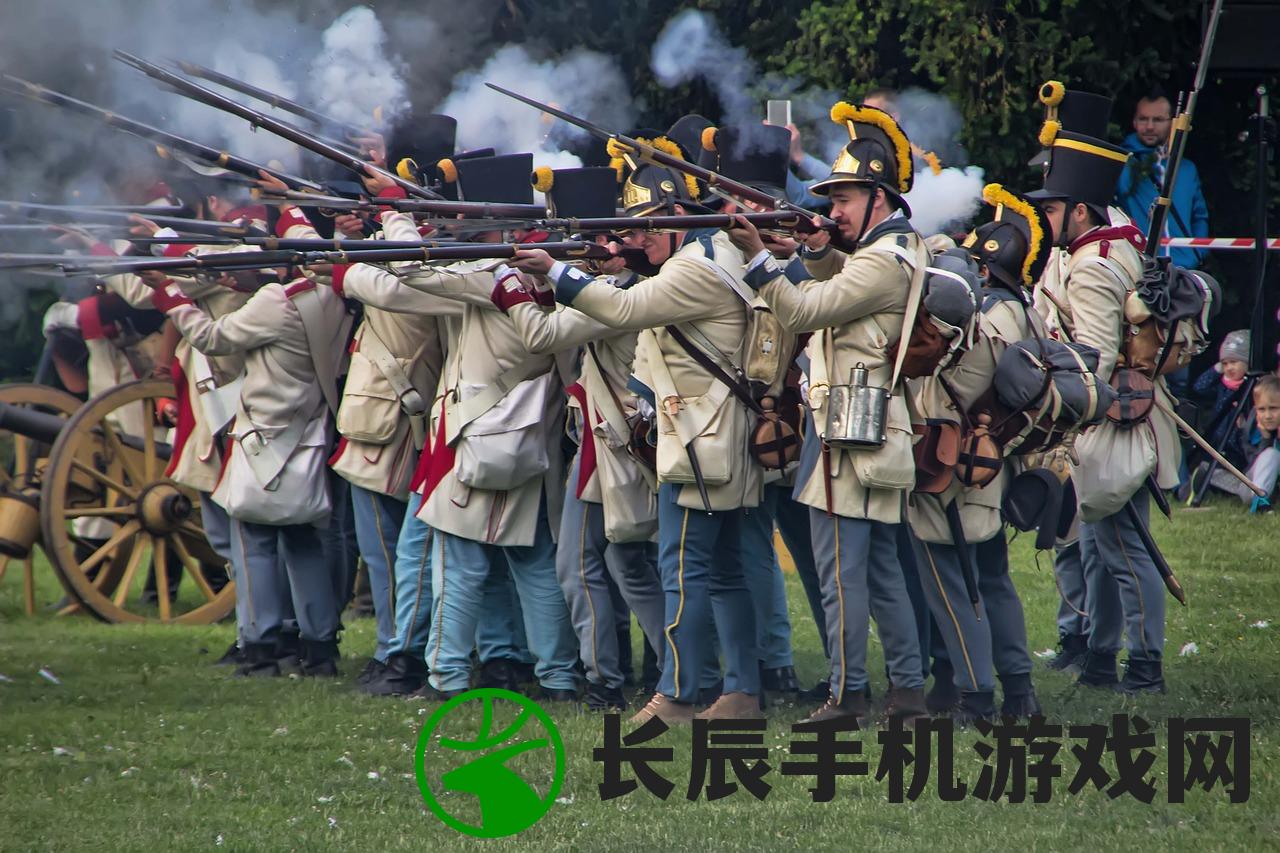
{"x":482,"y":345}
{"x":377,"y":450}
{"x":857,"y":302}
{"x":607,"y":357}
{"x":698,"y":289}
{"x":1098,"y":275}
{"x":1005,"y":320}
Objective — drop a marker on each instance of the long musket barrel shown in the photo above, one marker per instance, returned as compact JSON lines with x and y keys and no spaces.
{"x":1178,"y":139}
{"x":101,"y":265}
{"x":282,"y":129}
{"x":99,"y":216}
{"x":126,"y":209}
{"x":163,"y":138}
{"x":278,"y":101}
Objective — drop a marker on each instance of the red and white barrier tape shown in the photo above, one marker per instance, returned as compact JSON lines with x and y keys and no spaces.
{"x":1273,"y":243}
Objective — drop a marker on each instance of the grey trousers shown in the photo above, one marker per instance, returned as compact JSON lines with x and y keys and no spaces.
{"x":1125,"y":592}
{"x":282,"y":573}
{"x":1009,"y":651}
{"x":1068,"y":574}
{"x":965,"y":629}
{"x":583,"y":558}
{"x":859,"y":570}
{"x":764,"y":579}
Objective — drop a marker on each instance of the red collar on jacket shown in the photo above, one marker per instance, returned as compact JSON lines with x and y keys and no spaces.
{"x":1115,"y":232}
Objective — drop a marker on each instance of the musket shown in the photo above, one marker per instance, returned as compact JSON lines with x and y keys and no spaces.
{"x":647,"y":152}
{"x":159,"y":209}
{"x":273,"y":125}
{"x":956,"y":527}
{"x":1162,"y":565}
{"x":100,"y":216}
{"x":166,"y":143}
{"x":278,"y":101}
{"x":1178,"y":136}
{"x":106,"y":265}
{"x":533,"y":215}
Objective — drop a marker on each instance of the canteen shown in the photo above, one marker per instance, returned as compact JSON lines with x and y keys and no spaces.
{"x":856,"y":412}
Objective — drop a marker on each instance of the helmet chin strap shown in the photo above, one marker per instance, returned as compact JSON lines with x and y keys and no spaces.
{"x":866,"y":216}
{"x":1064,"y":241}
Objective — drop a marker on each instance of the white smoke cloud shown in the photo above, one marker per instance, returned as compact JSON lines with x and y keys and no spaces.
{"x":353,"y":78}
{"x":946,"y":200}
{"x":581,"y":82}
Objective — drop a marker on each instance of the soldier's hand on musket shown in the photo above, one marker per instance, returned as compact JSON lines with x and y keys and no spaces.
{"x":269,"y":183}
{"x":321,"y":274}
{"x":614,"y":265}
{"x":154,"y":279}
{"x":374,"y":146}
{"x":779,"y":246}
{"x":375,"y":182}
{"x":532,"y":261}
{"x":819,"y":238}
{"x":744,"y":234}
{"x":140,"y":226}
{"x":350,"y":225}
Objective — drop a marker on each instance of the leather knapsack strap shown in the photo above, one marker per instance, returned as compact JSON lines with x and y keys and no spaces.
{"x":914,"y":295}
{"x":736,"y":386}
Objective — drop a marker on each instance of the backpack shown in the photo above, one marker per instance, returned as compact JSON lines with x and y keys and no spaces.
{"x":1167,"y":317}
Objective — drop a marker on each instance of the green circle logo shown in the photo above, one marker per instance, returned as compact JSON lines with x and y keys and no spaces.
{"x":489,"y":763}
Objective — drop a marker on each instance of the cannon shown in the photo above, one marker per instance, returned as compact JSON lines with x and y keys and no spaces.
{"x":93,"y":495}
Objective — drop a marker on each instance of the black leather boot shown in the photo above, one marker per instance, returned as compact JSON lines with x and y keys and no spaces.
{"x":781,"y":679}
{"x":943,"y":695}
{"x":974,"y":706}
{"x":319,"y":658}
{"x":403,"y":674}
{"x":260,"y":661}
{"x":1071,"y":651}
{"x":1143,"y":675}
{"x":1020,"y":700}
{"x":233,"y":656}
{"x":289,"y":652}
{"x":601,"y":698}
{"x":1099,"y":670}
{"x":499,"y":673}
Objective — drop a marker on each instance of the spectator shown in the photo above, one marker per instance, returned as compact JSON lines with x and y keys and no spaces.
{"x":1221,"y":382}
{"x":1142,"y":179}
{"x":1260,"y":445}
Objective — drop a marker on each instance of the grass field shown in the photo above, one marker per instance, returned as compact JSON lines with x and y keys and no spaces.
{"x":145,"y":745}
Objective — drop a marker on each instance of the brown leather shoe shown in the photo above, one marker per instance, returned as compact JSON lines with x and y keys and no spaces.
{"x":906,"y":704}
{"x":854,"y":704}
{"x":665,"y":708}
{"x":734,"y":706}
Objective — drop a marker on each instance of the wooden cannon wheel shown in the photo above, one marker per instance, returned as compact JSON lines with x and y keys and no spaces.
{"x":96,"y":469}
{"x":23,"y":473}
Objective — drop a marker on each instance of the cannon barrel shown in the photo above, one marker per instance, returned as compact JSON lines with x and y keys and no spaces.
{"x":26,"y":422}
{"x":45,"y":428}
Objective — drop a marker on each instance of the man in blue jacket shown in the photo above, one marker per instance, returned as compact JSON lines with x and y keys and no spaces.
{"x":1141,"y":180}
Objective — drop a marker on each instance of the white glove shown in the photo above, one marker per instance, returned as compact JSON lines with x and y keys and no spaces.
{"x":61,"y":315}
{"x":804,"y":388}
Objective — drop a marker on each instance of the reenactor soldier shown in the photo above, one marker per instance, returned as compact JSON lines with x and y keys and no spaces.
{"x":396,"y":358}
{"x":855,"y":304}
{"x":491,"y":481}
{"x":273,"y":483}
{"x":693,"y":317}
{"x":955,"y":517}
{"x":1125,"y":593}
{"x":610,"y":518}
{"x":1087,"y":113}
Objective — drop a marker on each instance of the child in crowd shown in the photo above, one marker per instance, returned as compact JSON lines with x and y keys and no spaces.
{"x":1258,"y":439}
{"x":1220,"y":384}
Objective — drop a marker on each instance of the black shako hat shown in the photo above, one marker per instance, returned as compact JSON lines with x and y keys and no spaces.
{"x":501,"y":179}
{"x":590,"y":191}
{"x":757,"y":155}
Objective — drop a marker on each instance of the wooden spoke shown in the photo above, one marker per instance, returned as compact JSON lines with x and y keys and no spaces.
{"x":122,"y":511}
{"x":128,"y":529}
{"x":135,"y":559}
{"x":29,"y":586}
{"x":192,"y":565}
{"x":160,"y":565}
{"x":4,"y":565}
{"x":136,"y":476}
{"x":149,"y":457}
{"x":114,"y":485}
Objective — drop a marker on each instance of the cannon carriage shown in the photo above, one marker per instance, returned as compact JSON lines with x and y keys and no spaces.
{"x":125,"y":540}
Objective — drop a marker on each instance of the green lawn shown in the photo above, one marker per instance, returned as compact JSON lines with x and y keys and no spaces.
{"x":145,"y":745}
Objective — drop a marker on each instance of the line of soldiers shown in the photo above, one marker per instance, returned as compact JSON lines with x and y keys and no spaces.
{"x":533,"y":449}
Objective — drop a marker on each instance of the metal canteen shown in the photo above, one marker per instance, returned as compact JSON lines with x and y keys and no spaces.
{"x":856,"y":412}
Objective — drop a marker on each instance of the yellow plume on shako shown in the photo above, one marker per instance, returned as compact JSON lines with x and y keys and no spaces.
{"x":847,"y":114}
{"x":709,"y":138}
{"x":543,"y":178}
{"x":448,"y":171}
{"x":1052,"y":93}
{"x":997,"y":196}
{"x":407,"y":168}
{"x":1049,"y":132}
